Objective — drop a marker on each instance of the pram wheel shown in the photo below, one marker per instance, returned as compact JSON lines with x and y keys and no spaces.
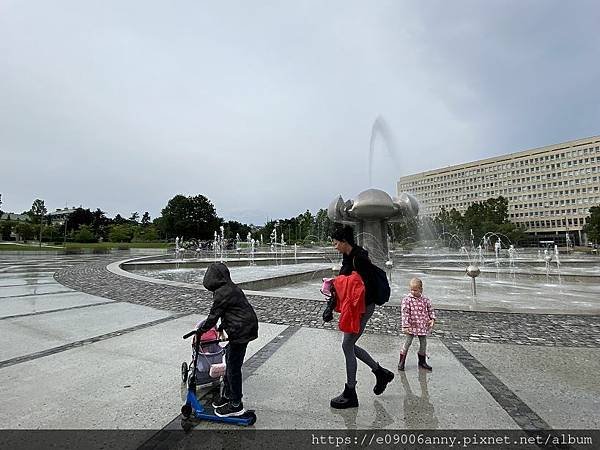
{"x":184,"y":371}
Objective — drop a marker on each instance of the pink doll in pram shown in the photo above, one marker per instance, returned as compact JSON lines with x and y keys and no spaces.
{"x":210,"y":365}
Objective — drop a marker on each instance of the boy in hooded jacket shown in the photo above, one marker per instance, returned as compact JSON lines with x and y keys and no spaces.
{"x":239,"y":321}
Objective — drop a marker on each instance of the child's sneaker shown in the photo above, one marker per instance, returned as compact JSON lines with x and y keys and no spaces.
{"x":231,"y":410}
{"x":220,"y":402}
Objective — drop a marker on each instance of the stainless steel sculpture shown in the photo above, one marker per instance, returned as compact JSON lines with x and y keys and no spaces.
{"x":473,"y":271}
{"x":370,"y":213}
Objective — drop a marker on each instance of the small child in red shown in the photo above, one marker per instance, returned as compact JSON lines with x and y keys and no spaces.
{"x":418,"y":317}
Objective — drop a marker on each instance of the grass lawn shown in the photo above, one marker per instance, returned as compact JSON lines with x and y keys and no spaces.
{"x":11,"y":246}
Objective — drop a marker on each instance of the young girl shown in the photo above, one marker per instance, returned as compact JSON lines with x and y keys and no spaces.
{"x":418,"y":318}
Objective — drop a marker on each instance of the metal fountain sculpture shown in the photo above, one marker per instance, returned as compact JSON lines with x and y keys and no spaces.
{"x":370,"y":213}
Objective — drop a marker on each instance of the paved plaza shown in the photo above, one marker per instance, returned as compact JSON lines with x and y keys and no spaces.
{"x":85,"y":347}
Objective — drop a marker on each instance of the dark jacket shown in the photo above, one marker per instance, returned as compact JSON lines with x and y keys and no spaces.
{"x":358,"y":260}
{"x":238,"y":318}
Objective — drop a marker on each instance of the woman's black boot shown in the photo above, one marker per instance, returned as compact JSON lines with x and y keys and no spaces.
{"x":422,"y":363}
{"x":346,"y":399}
{"x":383,"y":377}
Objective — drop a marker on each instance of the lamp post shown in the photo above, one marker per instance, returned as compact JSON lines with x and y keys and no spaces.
{"x":65,"y":237}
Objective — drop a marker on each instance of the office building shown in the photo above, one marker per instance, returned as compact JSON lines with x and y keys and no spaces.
{"x":549,"y":189}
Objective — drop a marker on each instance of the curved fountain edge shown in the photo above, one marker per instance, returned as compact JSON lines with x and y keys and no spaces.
{"x":115,"y":268}
{"x":554,"y":330}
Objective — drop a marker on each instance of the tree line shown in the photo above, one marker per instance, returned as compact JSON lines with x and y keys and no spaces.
{"x":195,"y":218}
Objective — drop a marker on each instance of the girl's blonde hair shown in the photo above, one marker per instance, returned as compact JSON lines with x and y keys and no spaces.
{"x":416,"y":281}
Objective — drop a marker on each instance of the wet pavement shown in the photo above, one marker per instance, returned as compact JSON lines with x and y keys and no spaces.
{"x":84,"y":347}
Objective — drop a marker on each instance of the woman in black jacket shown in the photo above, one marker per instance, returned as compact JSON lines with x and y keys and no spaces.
{"x":356,"y":258}
{"x":239,"y":321}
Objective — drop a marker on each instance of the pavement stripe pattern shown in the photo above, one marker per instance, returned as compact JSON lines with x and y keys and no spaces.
{"x":69,"y":346}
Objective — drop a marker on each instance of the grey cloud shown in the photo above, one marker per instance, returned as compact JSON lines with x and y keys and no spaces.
{"x":267,"y":108}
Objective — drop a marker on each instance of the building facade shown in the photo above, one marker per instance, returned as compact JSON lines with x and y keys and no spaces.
{"x":549,"y":189}
{"x":59,"y":216}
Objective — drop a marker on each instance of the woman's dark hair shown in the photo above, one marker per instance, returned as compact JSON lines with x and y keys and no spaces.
{"x":344,"y":234}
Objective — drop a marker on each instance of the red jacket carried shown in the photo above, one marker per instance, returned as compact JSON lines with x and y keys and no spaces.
{"x":350,"y":301}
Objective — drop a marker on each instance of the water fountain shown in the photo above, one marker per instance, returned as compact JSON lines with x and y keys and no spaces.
{"x":511,"y":255}
{"x":252,"y":250}
{"x":497,"y":248}
{"x":557,"y":262}
{"x":370,"y":213}
{"x":179,"y":251}
{"x":547,"y":259}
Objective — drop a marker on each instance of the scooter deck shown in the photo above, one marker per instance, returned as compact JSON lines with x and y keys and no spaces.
{"x":247,"y":419}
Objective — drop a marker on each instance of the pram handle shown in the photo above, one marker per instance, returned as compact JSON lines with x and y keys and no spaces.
{"x":187,"y":335}
{"x":197,"y":331}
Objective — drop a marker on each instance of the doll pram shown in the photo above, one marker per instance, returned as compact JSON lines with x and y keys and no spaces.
{"x":210,"y":366}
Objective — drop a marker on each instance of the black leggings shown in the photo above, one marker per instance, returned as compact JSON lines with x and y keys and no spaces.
{"x":353,"y":351}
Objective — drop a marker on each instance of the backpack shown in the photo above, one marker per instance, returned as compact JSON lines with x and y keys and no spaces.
{"x":379,"y":284}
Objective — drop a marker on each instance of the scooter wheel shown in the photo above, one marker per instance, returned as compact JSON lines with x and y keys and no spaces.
{"x":184,"y":371}
{"x":186,"y":410}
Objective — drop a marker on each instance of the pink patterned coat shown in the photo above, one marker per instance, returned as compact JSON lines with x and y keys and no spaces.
{"x":416,"y":314}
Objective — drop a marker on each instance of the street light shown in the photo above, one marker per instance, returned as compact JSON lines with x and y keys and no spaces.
{"x":65,"y":237}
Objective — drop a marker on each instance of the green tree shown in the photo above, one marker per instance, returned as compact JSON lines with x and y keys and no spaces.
{"x":6,"y":227}
{"x":38,"y":210}
{"x":486,"y":216}
{"x":324,"y":225}
{"x":25,"y":230}
{"x":146,"y":219}
{"x":592,"y":227}
{"x":119,"y":220}
{"x":148,"y":233}
{"x":134,"y":217}
{"x":192,"y":217}
{"x":100,"y":223}
{"x":121,"y":233}
{"x":78,"y":218}
{"x":232,"y":228}
{"x":84,"y":234}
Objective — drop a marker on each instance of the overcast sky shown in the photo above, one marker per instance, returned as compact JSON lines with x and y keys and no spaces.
{"x":267,"y":107}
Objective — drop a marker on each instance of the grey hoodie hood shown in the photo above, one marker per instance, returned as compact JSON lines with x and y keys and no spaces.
{"x":216,"y":276}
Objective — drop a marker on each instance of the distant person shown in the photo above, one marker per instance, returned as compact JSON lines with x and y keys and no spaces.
{"x":239,"y":321}
{"x":356,"y":258}
{"x":418,"y":318}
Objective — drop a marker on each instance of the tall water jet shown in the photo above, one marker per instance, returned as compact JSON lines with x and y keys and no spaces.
{"x":372,"y":209}
{"x":381,"y":129}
